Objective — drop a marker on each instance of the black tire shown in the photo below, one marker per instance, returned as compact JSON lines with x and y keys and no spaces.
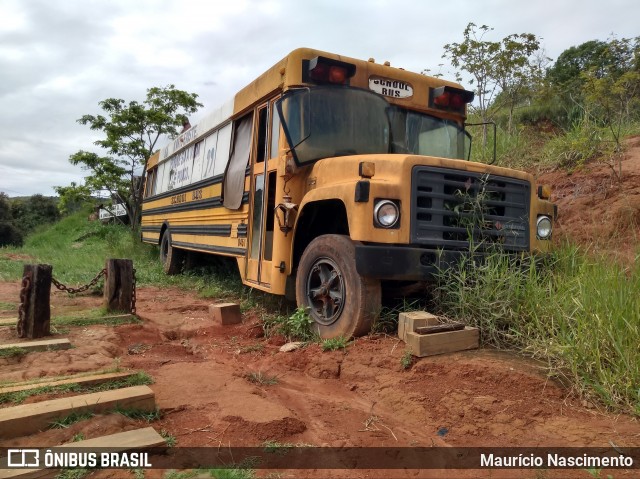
{"x":340,"y":301}
{"x":170,"y":257}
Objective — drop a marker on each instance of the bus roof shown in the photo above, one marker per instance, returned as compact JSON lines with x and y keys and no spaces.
{"x":288,"y":73}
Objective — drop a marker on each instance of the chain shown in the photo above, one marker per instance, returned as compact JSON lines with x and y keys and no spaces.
{"x":133,"y":293}
{"x":69,"y":290}
{"x":22,"y":312}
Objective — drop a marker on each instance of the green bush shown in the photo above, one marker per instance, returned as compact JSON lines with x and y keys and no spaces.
{"x":299,"y":326}
{"x":580,"y":144}
{"x":10,"y":235}
{"x":579,"y":313}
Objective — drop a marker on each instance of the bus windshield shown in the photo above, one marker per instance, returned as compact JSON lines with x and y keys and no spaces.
{"x":325,"y":122}
{"x":420,"y":134}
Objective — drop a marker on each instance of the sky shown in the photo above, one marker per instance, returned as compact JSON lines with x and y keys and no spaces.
{"x":59,"y":59}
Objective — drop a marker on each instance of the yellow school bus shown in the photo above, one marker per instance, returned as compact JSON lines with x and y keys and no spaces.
{"x":329,"y":178}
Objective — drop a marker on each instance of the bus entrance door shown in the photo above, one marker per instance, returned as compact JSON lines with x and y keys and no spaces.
{"x":263,"y":191}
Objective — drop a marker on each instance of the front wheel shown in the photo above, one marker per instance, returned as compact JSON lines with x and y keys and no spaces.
{"x":170,"y":257}
{"x":340,"y":301}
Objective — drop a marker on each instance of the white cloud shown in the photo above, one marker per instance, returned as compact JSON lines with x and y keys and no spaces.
{"x":59,"y":59}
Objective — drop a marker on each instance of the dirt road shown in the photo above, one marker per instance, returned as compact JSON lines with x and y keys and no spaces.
{"x":220,"y":386}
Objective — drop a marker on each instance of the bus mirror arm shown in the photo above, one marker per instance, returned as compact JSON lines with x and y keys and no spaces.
{"x":495,"y":136}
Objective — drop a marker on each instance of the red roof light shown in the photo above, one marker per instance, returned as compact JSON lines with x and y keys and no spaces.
{"x":327,"y":70}
{"x":449,"y":98}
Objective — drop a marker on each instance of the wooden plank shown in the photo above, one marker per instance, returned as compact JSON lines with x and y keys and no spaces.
{"x":27,"y":419}
{"x":82,"y":380}
{"x":440,"y":343}
{"x":46,"y":345}
{"x":123,"y":441}
{"x":8,"y":322}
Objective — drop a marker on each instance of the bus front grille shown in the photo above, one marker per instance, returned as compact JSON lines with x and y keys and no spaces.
{"x":452,"y":208}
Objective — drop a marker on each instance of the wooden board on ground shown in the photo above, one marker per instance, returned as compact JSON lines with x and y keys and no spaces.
{"x":408,"y":322}
{"x":422,"y":345}
{"x":40,"y":345}
{"x":81,"y":380}
{"x":122,"y":441}
{"x":26,"y":419}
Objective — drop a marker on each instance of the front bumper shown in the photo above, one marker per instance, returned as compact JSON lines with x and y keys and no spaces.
{"x":408,"y":263}
{"x":403,"y":262}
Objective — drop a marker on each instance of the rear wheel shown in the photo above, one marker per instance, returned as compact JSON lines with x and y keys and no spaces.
{"x":170,"y":257}
{"x":340,"y":301}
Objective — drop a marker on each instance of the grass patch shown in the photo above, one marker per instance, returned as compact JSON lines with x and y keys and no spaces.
{"x":12,"y":352}
{"x":252,"y":348}
{"x":406,"y":360}
{"x":169,"y":438}
{"x":94,"y":316}
{"x":334,"y":344}
{"x":17,"y":397}
{"x":387,"y":321}
{"x":113,"y":369}
{"x":298,"y":326}
{"x":72,"y":474}
{"x":74,"y":417}
{"x":139,"y":414}
{"x":579,"y":313}
{"x":5,"y":306}
{"x":261,"y":379}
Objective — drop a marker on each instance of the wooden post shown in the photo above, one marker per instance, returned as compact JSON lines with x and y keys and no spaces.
{"x":36,"y":304}
{"x":118,"y":285}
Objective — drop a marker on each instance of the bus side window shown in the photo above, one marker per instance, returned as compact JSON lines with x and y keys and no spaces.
{"x":151,"y":183}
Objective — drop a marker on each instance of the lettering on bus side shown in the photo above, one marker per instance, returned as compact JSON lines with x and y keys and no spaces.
{"x":177,"y":199}
{"x":185,"y":138}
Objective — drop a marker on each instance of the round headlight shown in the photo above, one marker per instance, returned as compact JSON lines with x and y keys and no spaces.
{"x":544,"y":227}
{"x":386,"y":213}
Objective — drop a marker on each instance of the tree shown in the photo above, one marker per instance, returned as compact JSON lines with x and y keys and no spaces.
{"x":476,"y":56}
{"x":34,"y":211}
{"x":132,"y":132}
{"x":72,"y":197}
{"x":506,"y":66}
{"x":612,"y":100}
{"x":9,"y":234}
{"x":516,"y":71}
{"x":578,"y":67}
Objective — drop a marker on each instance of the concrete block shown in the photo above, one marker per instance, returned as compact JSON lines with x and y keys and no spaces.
{"x":408,"y":322}
{"x":226,"y":313}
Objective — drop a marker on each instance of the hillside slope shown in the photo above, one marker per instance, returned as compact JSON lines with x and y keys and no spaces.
{"x":597,"y":210}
